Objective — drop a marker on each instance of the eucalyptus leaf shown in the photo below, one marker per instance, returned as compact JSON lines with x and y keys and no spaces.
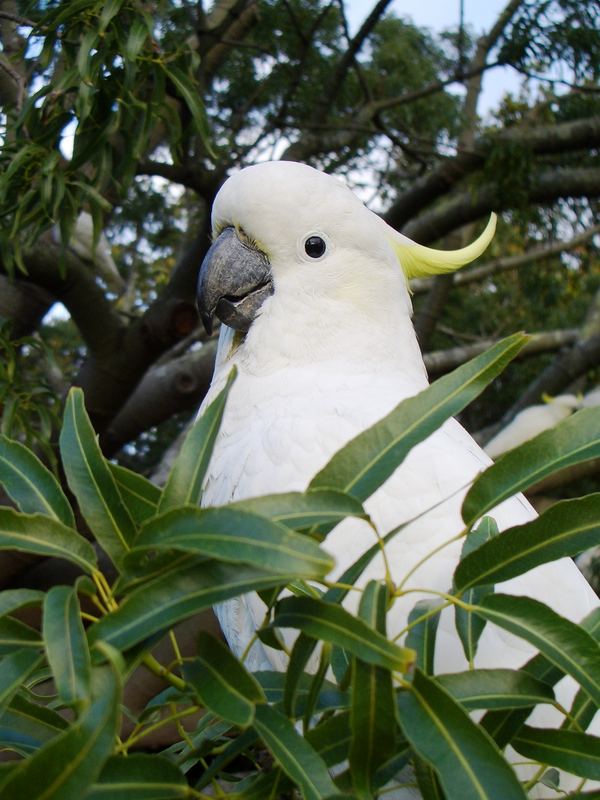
{"x":362,"y":465}
{"x":30,"y":484}
{"x":572,"y":751}
{"x":91,"y":480}
{"x":66,"y":645}
{"x":570,"y":442}
{"x":14,"y":671}
{"x":139,"y":777}
{"x":139,"y":495}
{"x":496,"y":688}
{"x":466,"y":760}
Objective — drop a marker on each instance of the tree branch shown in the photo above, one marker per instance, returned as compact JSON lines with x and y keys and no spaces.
{"x":420,"y":285}
{"x":440,"y":361}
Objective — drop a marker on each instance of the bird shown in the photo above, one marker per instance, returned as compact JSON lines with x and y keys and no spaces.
{"x":311,"y":288}
{"x":82,"y":243}
{"x":532,"y":421}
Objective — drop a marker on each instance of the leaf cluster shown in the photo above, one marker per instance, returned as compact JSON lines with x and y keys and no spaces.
{"x":351,"y":696}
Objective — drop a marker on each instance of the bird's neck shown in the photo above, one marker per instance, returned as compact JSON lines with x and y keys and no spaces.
{"x":297,"y":335}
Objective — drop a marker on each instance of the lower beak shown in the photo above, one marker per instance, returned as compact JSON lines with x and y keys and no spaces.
{"x":234,"y":281}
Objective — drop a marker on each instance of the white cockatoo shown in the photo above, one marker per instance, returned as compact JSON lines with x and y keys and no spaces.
{"x":311,"y":288}
{"x":531,"y":421}
{"x":82,"y":243}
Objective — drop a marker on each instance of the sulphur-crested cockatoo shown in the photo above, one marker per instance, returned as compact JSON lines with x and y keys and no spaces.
{"x":311,"y":288}
{"x":531,"y":421}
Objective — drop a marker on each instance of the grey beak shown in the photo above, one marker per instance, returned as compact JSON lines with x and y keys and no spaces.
{"x":234,"y":281}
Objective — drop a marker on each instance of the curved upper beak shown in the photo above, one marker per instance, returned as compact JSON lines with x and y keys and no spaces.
{"x":234,"y":281}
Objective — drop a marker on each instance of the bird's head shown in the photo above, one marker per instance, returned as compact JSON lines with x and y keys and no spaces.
{"x":283,"y":229}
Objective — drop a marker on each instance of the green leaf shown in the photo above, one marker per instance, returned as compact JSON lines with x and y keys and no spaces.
{"x":304,"y":510}
{"x":66,"y":645}
{"x":273,"y":685}
{"x":427,"y":780}
{"x":331,"y":738}
{"x":28,"y":726}
{"x":184,"y":484}
{"x":572,"y":751}
{"x":15,"y":635}
{"x":334,"y":624}
{"x":139,"y":495}
{"x":502,"y":725}
{"x":496,"y":688}
{"x":466,"y":759}
{"x":362,"y":465}
{"x":43,"y":536}
{"x":137,"y":36}
{"x":192,"y":97}
{"x":91,"y":481}
{"x":67,"y":765}
{"x":110,"y":9}
{"x":160,"y":604}
{"x":565,"y":644}
{"x":237,"y":536}
{"x":565,"y":529}
{"x":372,"y":718}
{"x":12,"y":599}
{"x":14,"y":670}
{"x":222,"y":683}
{"x":468,"y":625}
{"x":421,"y":637}
{"x":30,"y":484}
{"x":139,"y":777}
{"x":295,"y":755}
{"x":572,"y":441}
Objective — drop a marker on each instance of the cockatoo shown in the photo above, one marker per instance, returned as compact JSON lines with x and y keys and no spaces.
{"x":82,"y":243}
{"x":531,"y":421}
{"x":311,"y":288}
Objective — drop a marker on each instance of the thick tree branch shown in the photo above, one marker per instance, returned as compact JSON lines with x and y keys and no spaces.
{"x":165,"y":389}
{"x":546,"y":187}
{"x":504,"y":263}
{"x":440,"y":361}
{"x":542,"y":140}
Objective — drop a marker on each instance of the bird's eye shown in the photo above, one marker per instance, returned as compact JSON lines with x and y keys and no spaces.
{"x":314,"y":246}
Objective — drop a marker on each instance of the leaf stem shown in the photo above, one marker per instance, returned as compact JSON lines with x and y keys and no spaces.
{"x":162,"y":672}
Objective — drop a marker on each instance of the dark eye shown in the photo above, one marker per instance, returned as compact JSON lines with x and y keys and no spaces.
{"x":314,"y":246}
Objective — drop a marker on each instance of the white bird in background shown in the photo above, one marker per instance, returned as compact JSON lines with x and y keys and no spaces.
{"x":531,"y":421}
{"x":312,"y":289}
{"x":82,"y":243}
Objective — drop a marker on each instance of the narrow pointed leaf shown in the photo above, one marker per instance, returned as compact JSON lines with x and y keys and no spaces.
{"x":30,"y":484}
{"x":184,"y":484}
{"x":572,"y":441}
{"x":421,"y":637}
{"x":28,"y":725}
{"x":43,"y":536}
{"x":236,"y":536}
{"x":427,"y":780}
{"x":369,"y":459}
{"x":14,"y":670}
{"x":15,"y":635}
{"x":496,"y":688}
{"x":273,"y":685}
{"x":572,"y":751}
{"x":12,"y":599}
{"x":566,"y":529}
{"x":331,"y":738}
{"x":222,"y":683}
{"x":91,"y":481}
{"x":296,"y":756}
{"x":334,"y":624}
{"x":304,"y":510}
{"x":562,"y":642}
{"x":139,"y":495}
{"x":372,"y":719}
{"x":466,"y":759}
{"x":66,"y":644}
{"x":67,"y":765}
{"x":502,"y":725}
{"x":139,"y":777}
{"x":468,"y":625}
{"x":160,"y":604}
{"x":192,"y":97}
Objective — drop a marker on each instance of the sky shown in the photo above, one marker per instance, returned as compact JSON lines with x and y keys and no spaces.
{"x":440,"y":14}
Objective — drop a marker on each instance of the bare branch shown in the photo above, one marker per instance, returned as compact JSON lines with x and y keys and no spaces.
{"x":504,"y":263}
{"x":440,"y":361}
